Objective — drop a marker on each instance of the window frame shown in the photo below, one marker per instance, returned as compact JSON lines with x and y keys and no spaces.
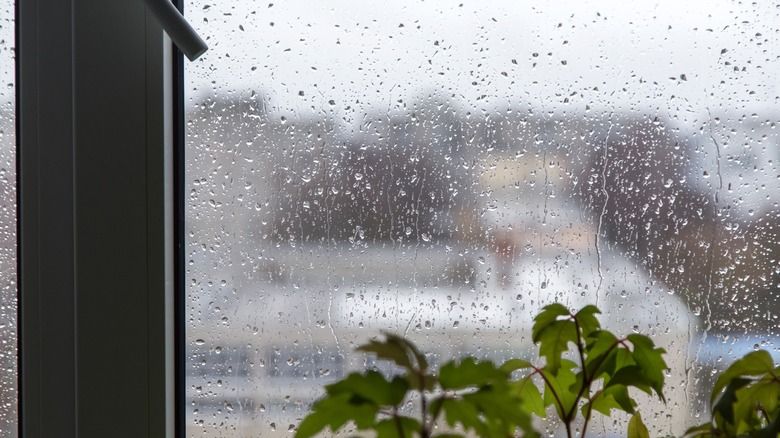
{"x":96,"y":219}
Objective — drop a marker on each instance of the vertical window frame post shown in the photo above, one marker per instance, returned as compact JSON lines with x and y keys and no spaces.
{"x":95,"y":224}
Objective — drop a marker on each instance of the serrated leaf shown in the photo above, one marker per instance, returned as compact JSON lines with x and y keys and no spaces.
{"x":630,"y":375}
{"x":650,"y":360}
{"x":372,"y":387}
{"x":429,"y":382}
{"x":411,"y":350}
{"x":623,"y":358}
{"x":435,"y":406}
{"x":620,"y":394}
{"x":391,"y":351}
{"x":463,"y":413}
{"x":636,"y":428}
{"x":599,"y":353}
{"x":703,"y":430}
{"x":724,"y":408}
{"x":400,"y":427}
{"x":501,"y":409}
{"x":763,"y":394}
{"x":417,"y":382}
{"x":531,"y":397}
{"x":549,"y":314}
{"x":398,"y":350}
{"x":554,"y":339}
{"x":613,"y":397}
{"x":515,"y":364}
{"x":470,"y":372}
{"x":754,"y":363}
{"x":334,"y":412}
{"x":558,"y":385}
{"x":586,"y":318}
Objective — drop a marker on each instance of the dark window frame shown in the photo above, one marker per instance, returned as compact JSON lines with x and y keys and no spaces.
{"x":97,"y":218}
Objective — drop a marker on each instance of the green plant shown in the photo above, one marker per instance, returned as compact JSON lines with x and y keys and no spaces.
{"x":492,"y":400}
{"x":745,"y":401}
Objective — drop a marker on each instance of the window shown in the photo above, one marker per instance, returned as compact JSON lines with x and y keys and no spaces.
{"x":443,"y":170}
{"x":468,"y":162}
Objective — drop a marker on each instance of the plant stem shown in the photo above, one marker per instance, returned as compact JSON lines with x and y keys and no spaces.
{"x":568,"y":429}
{"x":436,"y":412}
{"x":587,"y":416}
{"x":763,"y":412}
{"x":555,"y":394}
{"x":426,"y":431}
{"x":398,"y":424}
{"x":580,"y":348}
{"x":585,"y":382}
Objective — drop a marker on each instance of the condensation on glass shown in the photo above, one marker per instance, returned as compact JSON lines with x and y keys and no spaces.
{"x":441,"y":170}
{"x":8,"y":303}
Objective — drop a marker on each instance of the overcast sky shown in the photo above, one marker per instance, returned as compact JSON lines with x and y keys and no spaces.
{"x":617,"y":54}
{"x":671,"y":58}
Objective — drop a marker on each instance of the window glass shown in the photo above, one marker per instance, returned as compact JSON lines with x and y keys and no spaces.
{"x":442,"y":170}
{"x":8,"y":370}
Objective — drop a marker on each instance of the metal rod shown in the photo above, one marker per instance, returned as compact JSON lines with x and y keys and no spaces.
{"x":180,"y":31}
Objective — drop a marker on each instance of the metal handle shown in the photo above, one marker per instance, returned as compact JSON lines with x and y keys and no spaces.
{"x":180,"y":31}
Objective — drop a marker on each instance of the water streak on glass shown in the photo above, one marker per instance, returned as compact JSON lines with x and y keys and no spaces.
{"x":8,"y":303}
{"x":442,"y":170}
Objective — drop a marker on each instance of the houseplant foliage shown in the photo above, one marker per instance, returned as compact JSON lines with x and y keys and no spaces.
{"x":582,"y":370}
{"x":745,"y":401}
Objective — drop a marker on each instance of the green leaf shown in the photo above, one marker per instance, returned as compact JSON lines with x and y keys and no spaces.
{"x":392,"y":351}
{"x":398,"y":350}
{"x":371,"y":387}
{"x":410,"y":348}
{"x":470,"y":372}
{"x":515,"y":364}
{"x":599,"y":353}
{"x":501,"y":409}
{"x":464,"y":413}
{"x":650,"y":361}
{"x":724,"y":408}
{"x":428,"y":382}
{"x":754,"y":363}
{"x":765,"y":394}
{"x":586,"y":318}
{"x":401,"y":427}
{"x":559,"y":384}
{"x":631,"y":375}
{"x":623,"y":358}
{"x":703,"y":430}
{"x":548,"y":314}
{"x":554,"y":339}
{"x":531,"y":397}
{"x":636,"y":428}
{"x":613,"y":397}
{"x":334,"y":412}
